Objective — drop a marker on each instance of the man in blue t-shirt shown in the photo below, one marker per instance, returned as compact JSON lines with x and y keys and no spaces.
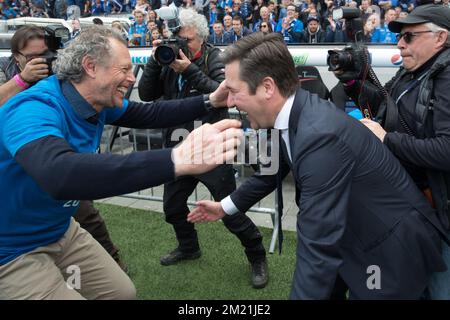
{"x":382,"y":34}
{"x":48,"y":163}
{"x":18,"y":72}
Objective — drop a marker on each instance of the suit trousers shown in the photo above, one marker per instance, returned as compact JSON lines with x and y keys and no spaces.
{"x":220,"y":182}
{"x":76,"y":267}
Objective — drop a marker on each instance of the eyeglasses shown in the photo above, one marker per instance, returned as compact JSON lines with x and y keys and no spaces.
{"x":408,"y":35}
{"x":264,"y":26}
{"x":31,"y":56}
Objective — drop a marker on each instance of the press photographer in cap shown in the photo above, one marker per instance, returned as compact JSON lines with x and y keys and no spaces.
{"x":411,"y":114}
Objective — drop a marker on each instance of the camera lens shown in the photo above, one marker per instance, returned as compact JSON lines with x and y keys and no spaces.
{"x":165,"y":55}
{"x":339,"y":60}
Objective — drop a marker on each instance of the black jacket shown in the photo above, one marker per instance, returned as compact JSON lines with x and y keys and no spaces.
{"x":201,"y":77}
{"x":421,"y":134}
{"x":358,"y":208}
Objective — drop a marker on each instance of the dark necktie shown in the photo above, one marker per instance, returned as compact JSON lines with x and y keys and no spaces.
{"x":283,"y":156}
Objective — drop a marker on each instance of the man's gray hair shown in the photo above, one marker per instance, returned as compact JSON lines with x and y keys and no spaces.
{"x":191,"y":18}
{"x":435,"y":28}
{"x":93,"y":42}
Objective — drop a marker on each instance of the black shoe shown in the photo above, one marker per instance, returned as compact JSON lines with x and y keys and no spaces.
{"x":260,"y":274}
{"x":177,"y":255}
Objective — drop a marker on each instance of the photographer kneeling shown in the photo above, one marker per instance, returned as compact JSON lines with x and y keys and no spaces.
{"x":413,"y":119}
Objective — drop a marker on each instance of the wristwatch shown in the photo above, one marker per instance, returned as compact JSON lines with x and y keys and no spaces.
{"x":208,"y":105}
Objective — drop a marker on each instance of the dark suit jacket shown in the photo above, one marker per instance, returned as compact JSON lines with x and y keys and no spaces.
{"x":358,"y":208}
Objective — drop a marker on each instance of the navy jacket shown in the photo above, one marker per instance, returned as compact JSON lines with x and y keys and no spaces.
{"x":358,"y":209}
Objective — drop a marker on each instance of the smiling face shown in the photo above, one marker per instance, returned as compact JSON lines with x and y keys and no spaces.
{"x":113,"y":77}
{"x":239,"y":95}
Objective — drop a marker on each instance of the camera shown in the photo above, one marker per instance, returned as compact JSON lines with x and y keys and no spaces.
{"x":54,"y":36}
{"x":167,"y":52}
{"x":354,"y":58}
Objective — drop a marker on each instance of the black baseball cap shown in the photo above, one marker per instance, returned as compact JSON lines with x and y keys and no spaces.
{"x":437,"y":14}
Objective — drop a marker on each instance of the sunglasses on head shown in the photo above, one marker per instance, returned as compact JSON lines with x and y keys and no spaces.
{"x":408,"y":35}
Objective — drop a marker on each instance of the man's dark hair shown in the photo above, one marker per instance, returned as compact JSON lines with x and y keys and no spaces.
{"x":238,"y":18}
{"x":97,"y":21}
{"x":23,"y":35}
{"x":263,"y":55}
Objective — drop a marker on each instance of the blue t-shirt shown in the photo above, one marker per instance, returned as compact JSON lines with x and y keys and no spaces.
{"x":29,"y":217}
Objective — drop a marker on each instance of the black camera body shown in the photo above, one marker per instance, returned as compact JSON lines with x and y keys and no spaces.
{"x":54,"y":36}
{"x":354,"y":58}
{"x":167,"y":52}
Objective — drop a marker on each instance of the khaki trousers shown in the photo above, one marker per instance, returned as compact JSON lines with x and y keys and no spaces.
{"x":74,"y":267}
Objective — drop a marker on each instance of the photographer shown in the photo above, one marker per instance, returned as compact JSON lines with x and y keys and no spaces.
{"x":415,"y":114}
{"x":25,"y":65}
{"x":198,"y":70}
{"x":24,"y":68}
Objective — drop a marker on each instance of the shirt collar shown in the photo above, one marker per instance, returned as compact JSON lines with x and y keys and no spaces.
{"x":78,"y":103}
{"x":282,"y":120}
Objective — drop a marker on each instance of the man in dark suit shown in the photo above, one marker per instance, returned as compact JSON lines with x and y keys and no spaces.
{"x":361,"y":216}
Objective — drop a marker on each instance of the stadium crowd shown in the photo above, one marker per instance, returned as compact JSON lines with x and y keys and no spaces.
{"x":300,"y":21}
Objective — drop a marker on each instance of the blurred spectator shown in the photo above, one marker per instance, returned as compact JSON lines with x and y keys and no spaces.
{"x":282,"y":9}
{"x":99,"y":7}
{"x":119,"y":27}
{"x":219,"y":36}
{"x":76,"y":30}
{"x":238,"y":30}
{"x":264,"y":14}
{"x":289,"y":26}
{"x":228,"y":23}
{"x":153,"y":16}
{"x":225,"y":5}
{"x":142,"y":5}
{"x":165,"y":32}
{"x":273,"y":11}
{"x":335,"y":31}
{"x":151,"y":24}
{"x":242,"y":9}
{"x":257,"y":5}
{"x":266,"y":27}
{"x":406,"y":5}
{"x":370,"y":25}
{"x":382,"y":34}
{"x":313,"y":32}
{"x":38,"y":9}
{"x":138,"y":30}
{"x":213,"y":14}
{"x":60,"y":9}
